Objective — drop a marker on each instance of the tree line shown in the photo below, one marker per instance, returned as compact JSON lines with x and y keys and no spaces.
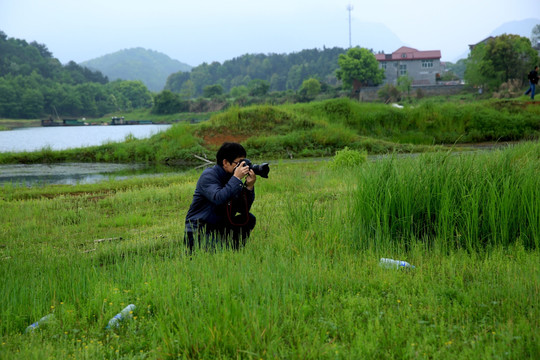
{"x":279,"y":72}
{"x":34,"y":84}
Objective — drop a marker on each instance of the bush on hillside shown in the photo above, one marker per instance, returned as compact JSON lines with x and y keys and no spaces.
{"x":348,"y":158}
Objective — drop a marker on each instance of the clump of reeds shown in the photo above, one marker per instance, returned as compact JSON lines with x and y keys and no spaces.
{"x":469,"y":201}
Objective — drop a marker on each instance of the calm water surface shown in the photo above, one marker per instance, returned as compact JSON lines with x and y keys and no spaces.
{"x":66,"y":174}
{"x":67,"y":137}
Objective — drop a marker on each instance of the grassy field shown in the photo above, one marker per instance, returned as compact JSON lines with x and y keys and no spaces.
{"x":308,"y":284}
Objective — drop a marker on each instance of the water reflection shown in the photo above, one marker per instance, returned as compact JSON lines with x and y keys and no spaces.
{"x":74,"y":173}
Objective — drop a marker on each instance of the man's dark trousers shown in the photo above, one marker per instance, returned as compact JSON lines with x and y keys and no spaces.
{"x":228,"y":235}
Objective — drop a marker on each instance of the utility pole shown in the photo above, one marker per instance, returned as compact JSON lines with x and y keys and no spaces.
{"x":349,"y":9}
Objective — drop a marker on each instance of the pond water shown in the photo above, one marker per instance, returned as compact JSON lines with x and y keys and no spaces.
{"x":67,"y":174}
{"x":67,"y":137}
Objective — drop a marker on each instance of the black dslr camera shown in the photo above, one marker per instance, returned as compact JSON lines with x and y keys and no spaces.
{"x":261,"y":170}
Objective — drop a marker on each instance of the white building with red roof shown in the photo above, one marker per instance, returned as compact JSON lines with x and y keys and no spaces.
{"x":424,"y":67}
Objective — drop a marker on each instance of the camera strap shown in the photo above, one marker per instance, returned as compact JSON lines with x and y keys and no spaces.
{"x":229,"y":211}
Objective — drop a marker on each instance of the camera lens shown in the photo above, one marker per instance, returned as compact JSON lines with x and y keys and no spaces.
{"x":261,"y":170}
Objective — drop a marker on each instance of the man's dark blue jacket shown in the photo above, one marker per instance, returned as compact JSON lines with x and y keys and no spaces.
{"x":214,"y":190}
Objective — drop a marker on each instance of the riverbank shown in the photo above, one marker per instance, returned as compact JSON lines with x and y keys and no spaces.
{"x":10,"y":124}
{"x":128,"y":117}
{"x":318,"y":129}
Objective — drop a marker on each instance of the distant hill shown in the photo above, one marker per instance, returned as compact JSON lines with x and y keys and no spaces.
{"x":149,"y":66}
{"x":519,"y":27}
{"x":34,"y":84}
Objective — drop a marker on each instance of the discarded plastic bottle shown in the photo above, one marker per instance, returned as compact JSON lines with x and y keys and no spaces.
{"x":395,"y":264}
{"x":41,"y":321}
{"x":126,"y":312}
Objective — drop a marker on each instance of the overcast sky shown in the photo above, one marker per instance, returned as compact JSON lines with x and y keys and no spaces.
{"x":197,"y":31}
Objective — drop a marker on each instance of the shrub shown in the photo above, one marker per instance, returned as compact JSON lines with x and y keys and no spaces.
{"x":509,"y":89}
{"x":348,"y":158}
{"x":389,"y":93}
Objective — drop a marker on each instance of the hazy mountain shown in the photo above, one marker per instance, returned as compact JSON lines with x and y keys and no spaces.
{"x":519,"y":27}
{"x":149,"y":66}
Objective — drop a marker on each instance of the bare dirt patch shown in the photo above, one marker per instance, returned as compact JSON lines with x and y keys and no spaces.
{"x":218,"y":139}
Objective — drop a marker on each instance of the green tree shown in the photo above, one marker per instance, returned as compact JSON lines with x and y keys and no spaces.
{"x":187,"y":90}
{"x":8,"y":99}
{"x":90,"y":96}
{"x":212,"y":91}
{"x":310,"y":88}
{"x":295,"y":76}
{"x":359,"y":64}
{"x":404,"y":84}
{"x":201,"y":77}
{"x":258,"y":87}
{"x":167,"y":102}
{"x":131,"y":94}
{"x":32,"y":104}
{"x":277,"y":82}
{"x":535,"y":36}
{"x":176,"y":81}
{"x":475,"y":62}
{"x":239,"y":91}
{"x":501,"y":59}
{"x":70,"y":103}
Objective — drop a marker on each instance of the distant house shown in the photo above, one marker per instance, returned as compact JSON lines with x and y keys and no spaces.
{"x":485,"y":41}
{"x":424,"y":67}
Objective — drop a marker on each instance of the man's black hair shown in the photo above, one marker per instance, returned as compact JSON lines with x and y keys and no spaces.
{"x":230,"y":151}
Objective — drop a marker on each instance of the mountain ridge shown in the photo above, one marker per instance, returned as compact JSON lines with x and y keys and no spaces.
{"x":149,"y":66}
{"x":518,"y":27}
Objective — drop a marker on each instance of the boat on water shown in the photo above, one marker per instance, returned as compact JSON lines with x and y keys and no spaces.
{"x":115,"y":120}
{"x":65,"y":122}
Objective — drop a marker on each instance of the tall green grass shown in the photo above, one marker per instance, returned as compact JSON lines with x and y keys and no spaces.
{"x":430,"y":122}
{"x":307,"y":285}
{"x":469,"y":201}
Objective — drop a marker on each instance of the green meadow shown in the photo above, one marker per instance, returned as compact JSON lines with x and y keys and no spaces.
{"x":308,"y":284}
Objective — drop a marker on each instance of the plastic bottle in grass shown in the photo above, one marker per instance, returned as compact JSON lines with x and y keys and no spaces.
{"x":40,"y":322}
{"x":125,"y":313}
{"x":395,"y":264}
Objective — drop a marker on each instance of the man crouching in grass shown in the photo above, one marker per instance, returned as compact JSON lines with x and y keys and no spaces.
{"x":219,"y":213}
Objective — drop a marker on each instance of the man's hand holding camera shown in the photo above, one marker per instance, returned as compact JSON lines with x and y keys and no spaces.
{"x":243,"y":170}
